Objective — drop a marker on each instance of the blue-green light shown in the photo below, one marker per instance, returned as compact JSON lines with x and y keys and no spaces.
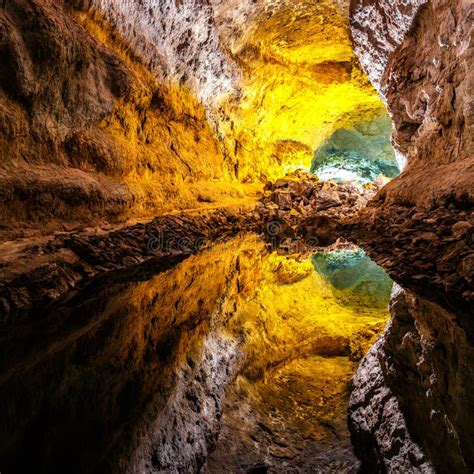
{"x":355,"y":275}
{"x":361,"y":154}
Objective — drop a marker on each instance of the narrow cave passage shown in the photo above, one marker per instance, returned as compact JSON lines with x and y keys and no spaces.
{"x":236,"y":236}
{"x":361,"y":154}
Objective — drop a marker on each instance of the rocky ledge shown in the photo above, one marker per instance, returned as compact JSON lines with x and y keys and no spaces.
{"x":35,"y":274}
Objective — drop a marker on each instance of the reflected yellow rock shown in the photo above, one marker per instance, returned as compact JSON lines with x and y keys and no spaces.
{"x":287,"y":408}
{"x":294,"y":313}
{"x":278,"y":307}
{"x":149,"y":363}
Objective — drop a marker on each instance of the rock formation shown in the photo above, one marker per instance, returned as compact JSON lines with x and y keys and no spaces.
{"x":409,"y":401}
{"x":95,"y":123}
{"x":164,"y":105}
{"x":419,"y":54}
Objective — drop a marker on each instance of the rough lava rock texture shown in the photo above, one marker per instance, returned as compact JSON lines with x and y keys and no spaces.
{"x":361,"y":153}
{"x":410,"y":397}
{"x":420,"y":56}
{"x":379,"y":429}
{"x":102,"y":120}
{"x":176,"y":39}
{"x":112,"y":110}
{"x":36,"y":274}
{"x":378,"y":28}
{"x":110,"y":334}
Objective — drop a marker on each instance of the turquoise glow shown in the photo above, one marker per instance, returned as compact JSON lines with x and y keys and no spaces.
{"x":355,"y":275}
{"x":359,"y":154}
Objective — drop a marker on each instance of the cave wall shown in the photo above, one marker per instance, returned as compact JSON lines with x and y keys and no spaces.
{"x":99,"y":123}
{"x":411,"y":393}
{"x":300,"y":81}
{"x":419,"y":56}
{"x":112,"y":110}
{"x":107,"y":112}
{"x":177,"y":40}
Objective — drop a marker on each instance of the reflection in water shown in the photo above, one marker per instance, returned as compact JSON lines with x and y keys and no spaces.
{"x":138,"y":372}
{"x":361,"y":153}
{"x":303,"y":338}
{"x":354,"y":276}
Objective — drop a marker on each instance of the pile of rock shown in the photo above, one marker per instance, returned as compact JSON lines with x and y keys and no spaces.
{"x":301,"y":213}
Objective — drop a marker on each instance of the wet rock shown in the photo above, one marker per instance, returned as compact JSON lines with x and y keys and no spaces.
{"x":379,"y":429}
{"x":419,"y":228}
{"x":70,"y":260}
{"x":426,"y":249}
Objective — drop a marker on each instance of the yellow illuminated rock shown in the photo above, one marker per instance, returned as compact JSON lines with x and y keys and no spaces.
{"x":279,"y":307}
{"x":295,"y":313}
{"x":300,"y":82}
{"x":300,"y":346}
{"x":169,"y":154}
{"x":151,"y":121}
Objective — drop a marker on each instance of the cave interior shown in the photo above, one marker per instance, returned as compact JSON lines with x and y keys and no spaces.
{"x":236,"y":236}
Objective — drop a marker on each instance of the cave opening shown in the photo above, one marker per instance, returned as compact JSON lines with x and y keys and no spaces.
{"x":363,"y":154}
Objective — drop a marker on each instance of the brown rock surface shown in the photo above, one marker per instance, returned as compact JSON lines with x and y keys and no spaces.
{"x":409,"y":400}
{"x":410,"y":397}
{"x":111,"y":110}
{"x":90,"y":130}
{"x":37,"y":274}
{"x":419,"y":54}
